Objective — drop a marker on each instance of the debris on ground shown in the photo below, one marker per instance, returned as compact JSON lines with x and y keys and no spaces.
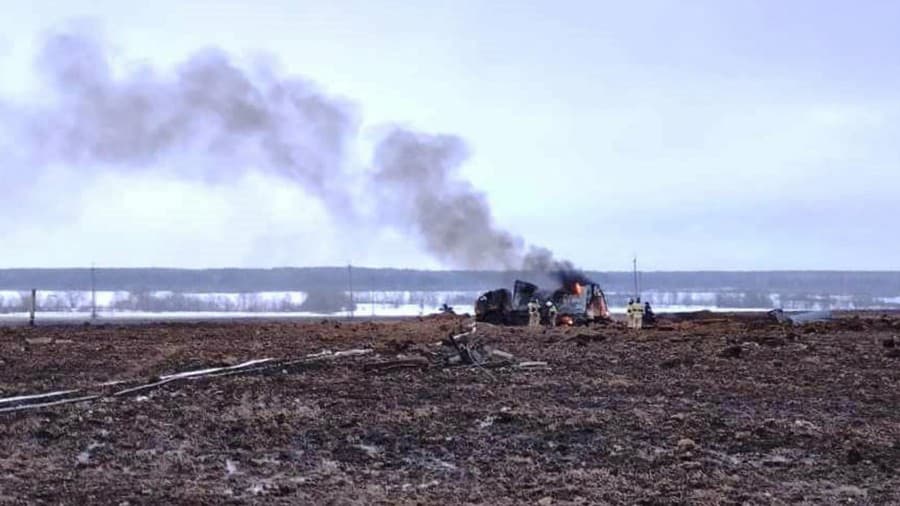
{"x":658,"y":418}
{"x":801,"y":318}
{"x":733,"y":351}
{"x":464,"y":348}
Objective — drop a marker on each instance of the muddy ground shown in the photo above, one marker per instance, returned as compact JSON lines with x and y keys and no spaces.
{"x":720,"y":411}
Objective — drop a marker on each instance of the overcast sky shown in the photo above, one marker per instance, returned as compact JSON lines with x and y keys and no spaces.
{"x":697,"y":134}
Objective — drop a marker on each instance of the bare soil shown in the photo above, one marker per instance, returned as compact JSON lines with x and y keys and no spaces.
{"x":722,"y":410}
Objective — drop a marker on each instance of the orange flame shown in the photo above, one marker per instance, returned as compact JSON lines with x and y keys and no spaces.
{"x":578,"y":289}
{"x":566,"y":320}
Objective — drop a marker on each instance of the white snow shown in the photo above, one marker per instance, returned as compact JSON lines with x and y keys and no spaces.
{"x":159,"y":305}
{"x":692,"y":308}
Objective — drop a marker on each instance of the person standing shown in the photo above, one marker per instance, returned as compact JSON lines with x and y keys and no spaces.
{"x":629,"y":312}
{"x":534,"y":313}
{"x":649,"y":317}
{"x":638,"y":314}
{"x":551,"y":313}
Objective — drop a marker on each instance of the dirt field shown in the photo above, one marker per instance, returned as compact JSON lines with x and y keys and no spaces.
{"x":726,"y":411}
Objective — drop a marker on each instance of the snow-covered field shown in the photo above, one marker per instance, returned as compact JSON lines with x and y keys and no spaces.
{"x":363,"y":311}
{"x":54,"y":300}
{"x":166,"y":305}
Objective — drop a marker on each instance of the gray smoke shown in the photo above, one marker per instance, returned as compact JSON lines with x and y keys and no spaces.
{"x":209,"y":119}
{"x":541,"y":259}
{"x":417,"y":173}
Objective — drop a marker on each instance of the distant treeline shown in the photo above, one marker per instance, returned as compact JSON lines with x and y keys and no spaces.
{"x":331,"y":279}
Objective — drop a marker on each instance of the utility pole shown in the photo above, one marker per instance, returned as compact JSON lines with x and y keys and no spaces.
{"x":33,"y":306}
{"x":636,"y":289}
{"x":93,"y":292}
{"x":350,"y":282}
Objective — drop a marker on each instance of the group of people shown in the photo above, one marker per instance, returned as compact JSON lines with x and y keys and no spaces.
{"x":534,"y":313}
{"x":639,"y":314}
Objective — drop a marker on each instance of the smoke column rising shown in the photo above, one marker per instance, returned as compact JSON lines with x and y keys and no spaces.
{"x":417,"y":174}
{"x":207,"y":116}
{"x":209,"y":119}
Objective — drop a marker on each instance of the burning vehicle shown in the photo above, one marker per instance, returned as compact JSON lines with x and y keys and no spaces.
{"x":578,"y":302}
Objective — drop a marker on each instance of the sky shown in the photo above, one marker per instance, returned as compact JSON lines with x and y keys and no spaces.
{"x":694,"y":134}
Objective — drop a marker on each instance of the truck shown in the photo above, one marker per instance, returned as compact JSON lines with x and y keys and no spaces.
{"x":577,"y":303}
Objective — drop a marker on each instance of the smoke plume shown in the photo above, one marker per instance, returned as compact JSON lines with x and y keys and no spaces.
{"x":417,"y":173}
{"x":209,"y":119}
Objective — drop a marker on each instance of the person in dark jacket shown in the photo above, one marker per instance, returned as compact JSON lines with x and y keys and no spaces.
{"x":649,"y":317}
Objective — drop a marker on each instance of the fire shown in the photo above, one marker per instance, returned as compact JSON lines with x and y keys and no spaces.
{"x":566,"y":320}
{"x":578,"y":288}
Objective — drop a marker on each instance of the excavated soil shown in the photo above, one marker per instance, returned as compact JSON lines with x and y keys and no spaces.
{"x":721,"y":410}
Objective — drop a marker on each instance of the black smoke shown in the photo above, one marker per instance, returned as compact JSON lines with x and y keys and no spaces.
{"x":569,"y":278}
